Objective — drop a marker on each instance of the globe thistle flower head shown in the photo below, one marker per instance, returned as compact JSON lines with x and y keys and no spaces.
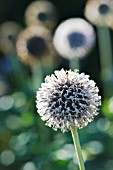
{"x":8,"y":35}
{"x":66,"y":99}
{"x":100,"y":12}
{"x":74,"y":38}
{"x":34,"y":44}
{"x":41,"y":13}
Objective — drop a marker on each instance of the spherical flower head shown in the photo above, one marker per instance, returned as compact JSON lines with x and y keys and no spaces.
{"x":74,"y":38}
{"x":8,"y":35}
{"x":66,"y":99}
{"x":41,"y":13}
{"x":100,"y":12}
{"x":34,"y":44}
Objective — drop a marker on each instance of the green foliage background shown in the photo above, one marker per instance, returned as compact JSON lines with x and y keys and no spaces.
{"x":31,"y":144}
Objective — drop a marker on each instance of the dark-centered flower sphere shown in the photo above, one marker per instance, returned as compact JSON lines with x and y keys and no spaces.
{"x":66,"y":99}
{"x":74,"y":38}
{"x":41,"y":13}
{"x":34,"y":44}
{"x":100,"y":12}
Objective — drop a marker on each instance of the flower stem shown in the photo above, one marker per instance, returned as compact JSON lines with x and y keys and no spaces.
{"x":105,"y":50}
{"x":37,"y":75}
{"x":77,"y":147}
{"x":74,"y":64}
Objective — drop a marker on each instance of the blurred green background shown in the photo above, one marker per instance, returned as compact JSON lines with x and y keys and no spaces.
{"x":25,"y":142}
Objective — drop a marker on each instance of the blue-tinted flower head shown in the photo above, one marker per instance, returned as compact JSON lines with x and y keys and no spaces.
{"x":74,"y":38}
{"x":66,"y":99}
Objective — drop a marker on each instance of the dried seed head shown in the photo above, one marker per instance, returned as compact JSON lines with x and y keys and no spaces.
{"x":66,"y":99}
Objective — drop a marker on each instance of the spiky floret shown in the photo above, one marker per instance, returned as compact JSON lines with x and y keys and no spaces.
{"x":66,"y":99}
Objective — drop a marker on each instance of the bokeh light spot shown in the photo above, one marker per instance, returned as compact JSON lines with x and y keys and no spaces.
{"x":7,"y":157}
{"x":6,"y":103}
{"x":109,"y":164}
{"x":94,"y":147}
{"x":29,"y":166}
{"x":103,"y":124}
{"x":20,"y":99}
{"x":27,"y":119}
{"x":16,"y":122}
{"x":110,"y":105}
{"x":65,"y":153}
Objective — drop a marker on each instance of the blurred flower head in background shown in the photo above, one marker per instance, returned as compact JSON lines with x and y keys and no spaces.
{"x":41,"y":13}
{"x":8,"y":34}
{"x":35,"y":44}
{"x":66,"y":99}
{"x":100,"y":12}
{"x":74,"y":38}
{"x":3,"y":87}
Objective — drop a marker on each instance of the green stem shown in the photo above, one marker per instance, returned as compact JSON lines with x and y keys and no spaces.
{"x":105,"y":50}
{"x":18,"y":73}
{"x":74,"y":64}
{"x":37,"y":75}
{"x":77,"y":147}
